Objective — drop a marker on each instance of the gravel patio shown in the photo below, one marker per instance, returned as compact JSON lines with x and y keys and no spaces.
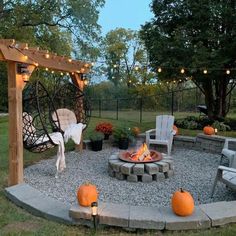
{"x":193,"y":170}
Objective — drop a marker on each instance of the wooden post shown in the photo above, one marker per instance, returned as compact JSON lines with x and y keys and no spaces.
{"x":77,"y":80}
{"x":15,"y":86}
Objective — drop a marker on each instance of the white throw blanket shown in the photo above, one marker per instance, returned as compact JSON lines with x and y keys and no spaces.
{"x":57,"y":138}
{"x":74,"y":131}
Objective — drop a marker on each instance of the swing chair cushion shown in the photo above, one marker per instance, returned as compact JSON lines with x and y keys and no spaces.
{"x":66,"y":117}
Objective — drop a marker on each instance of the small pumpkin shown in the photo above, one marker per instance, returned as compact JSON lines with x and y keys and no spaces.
{"x":182,"y":203}
{"x":208,"y":130}
{"x":86,"y":194}
{"x":176,"y":129}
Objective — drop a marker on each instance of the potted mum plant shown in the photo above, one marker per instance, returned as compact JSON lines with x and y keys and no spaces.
{"x":123,"y":135}
{"x":96,"y":139}
{"x":106,"y":128}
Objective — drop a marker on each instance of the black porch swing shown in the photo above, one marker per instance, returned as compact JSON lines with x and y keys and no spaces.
{"x":44,"y":114}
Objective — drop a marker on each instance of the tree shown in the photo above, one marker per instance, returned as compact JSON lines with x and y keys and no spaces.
{"x":125,"y":57}
{"x":65,"y":27}
{"x":197,"y":35}
{"x":70,"y":20}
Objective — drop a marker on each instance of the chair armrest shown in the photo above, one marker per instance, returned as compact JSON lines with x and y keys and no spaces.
{"x":227,"y":169}
{"x":227,"y":140}
{"x":150,"y":131}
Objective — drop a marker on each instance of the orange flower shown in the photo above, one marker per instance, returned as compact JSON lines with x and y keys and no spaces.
{"x":105,"y":127}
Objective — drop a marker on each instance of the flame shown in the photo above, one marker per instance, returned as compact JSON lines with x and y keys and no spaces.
{"x":142,"y":154}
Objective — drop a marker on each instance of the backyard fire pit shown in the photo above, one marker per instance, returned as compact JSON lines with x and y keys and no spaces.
{"x":142,"y":165}
{"x":142,"y":155}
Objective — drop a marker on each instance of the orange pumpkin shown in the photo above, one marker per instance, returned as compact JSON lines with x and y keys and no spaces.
{"x":176,"y":129}
{"x":86,"y":194}
{"x":182,"y":203}
{"x":208,"y":130}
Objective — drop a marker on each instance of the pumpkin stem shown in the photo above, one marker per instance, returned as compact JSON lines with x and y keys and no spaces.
{"x":181,"y":190}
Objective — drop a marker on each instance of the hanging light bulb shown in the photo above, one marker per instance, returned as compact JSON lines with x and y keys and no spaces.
{"x":182,"y":71}
{"x":205,"y":71}
{"x":61,"y":73}
{"x":136,"y":68}
{"x":25,"y":57}
{"x":52,"y":71}
{"x":46,"y":69}
{"x":159,"y":69}
{"x":70,"y":60}
{"x":47,"y":55}
{"x":227,"y":72}
{"x":36,"y":64}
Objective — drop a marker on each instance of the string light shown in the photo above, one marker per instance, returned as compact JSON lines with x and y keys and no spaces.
{"x":159,"y":69}
{"x":205,"y":71}
{"x":46,"y":69}
{"x":52,"y":71}
{"x":115,"y":66}
{"x":227,"y":72}
{"x":136,"y":68}
{"x":70,"y":60}
{"x":182,"y":71}
{"x":61,"y":73}
{"x":36,"y":64}
{"x":47,"y":55}
{"x":25,"y":57}
{"x":82,"y":70}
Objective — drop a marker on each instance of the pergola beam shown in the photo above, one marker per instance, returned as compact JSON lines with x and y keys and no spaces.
{"x":21,"y":53}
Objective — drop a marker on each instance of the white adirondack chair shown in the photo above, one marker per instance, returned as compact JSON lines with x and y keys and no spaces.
{"x":163,"y":133}
{"x":227,"y":175}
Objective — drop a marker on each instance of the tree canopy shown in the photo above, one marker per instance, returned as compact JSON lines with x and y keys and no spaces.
{"x":196,"y":35}
{"x":66,"y":27}
{"x":125,"y":57}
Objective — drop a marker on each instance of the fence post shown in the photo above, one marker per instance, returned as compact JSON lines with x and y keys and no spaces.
{"x":99,"y":107}
{"x":172,"y":102}
{"x":117,"y":109}
{"x":141,"y":110}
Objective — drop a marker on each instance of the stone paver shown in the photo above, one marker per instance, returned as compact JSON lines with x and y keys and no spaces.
{"x":151,"y":168}
{"x":220,"y":213}
{"x":163,"y":166}
{"x":198,"y":220}
{"x":138,"y":169}
{"x":146,"y":218}
{"x":126,"y":168}
{"x":146,"y":178}
{"x":114,"y":214}
{"x":38,"y":204}
{"x":204,"y":216}
{"x":79,"y":212}
{"x":132,"y":178}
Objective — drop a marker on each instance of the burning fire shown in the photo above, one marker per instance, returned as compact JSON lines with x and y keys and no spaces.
{"x":142,"y":154}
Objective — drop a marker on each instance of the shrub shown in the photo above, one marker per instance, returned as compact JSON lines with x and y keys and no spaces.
{"x":221,"y":126}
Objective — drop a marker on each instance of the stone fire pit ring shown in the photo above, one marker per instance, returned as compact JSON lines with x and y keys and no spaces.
{"x":144,"y":172}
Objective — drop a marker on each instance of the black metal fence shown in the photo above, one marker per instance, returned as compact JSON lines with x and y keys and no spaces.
{"x":180,"y":103}
{"x":144,"y":109}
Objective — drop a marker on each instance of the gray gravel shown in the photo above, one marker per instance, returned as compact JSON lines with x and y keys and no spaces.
{"x":194,"y":171}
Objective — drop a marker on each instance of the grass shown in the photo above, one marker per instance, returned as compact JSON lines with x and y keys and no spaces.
{"x":16,"y":221}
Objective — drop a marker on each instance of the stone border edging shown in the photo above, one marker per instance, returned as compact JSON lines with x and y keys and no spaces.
{"x":135,"y":217}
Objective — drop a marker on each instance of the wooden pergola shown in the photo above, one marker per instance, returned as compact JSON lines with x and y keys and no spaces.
{"x":16,"y":55}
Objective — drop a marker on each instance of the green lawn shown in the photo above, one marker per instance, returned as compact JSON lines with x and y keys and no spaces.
{"x":16,"y":221}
